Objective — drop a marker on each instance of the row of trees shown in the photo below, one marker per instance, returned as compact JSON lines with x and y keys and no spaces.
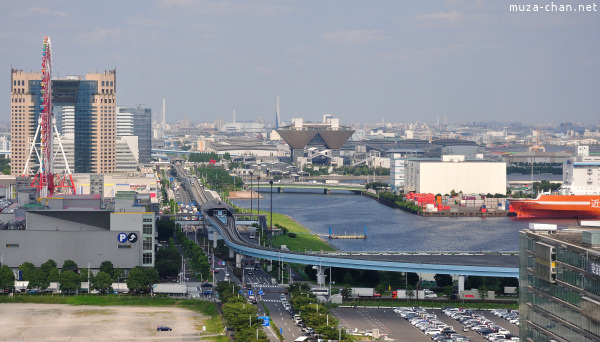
{"x":206,"y":157}
{"x":198,"y":259}
{"x":218,"y":178}
{"x":70,"y":276}
{"x":240,"y":315}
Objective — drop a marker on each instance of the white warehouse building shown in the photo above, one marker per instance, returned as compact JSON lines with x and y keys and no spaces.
{"x":455,"y":173}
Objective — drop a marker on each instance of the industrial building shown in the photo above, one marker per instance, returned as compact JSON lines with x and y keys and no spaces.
{"x":328,"y":136}
{"x":559,"y":285}
{"x":455,"y":173}
{"x":84,"y":107}
{"x":81,"y":229}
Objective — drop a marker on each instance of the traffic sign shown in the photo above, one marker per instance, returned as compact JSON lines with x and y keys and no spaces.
{"x":250,"y":292}
{"x":122,"y":237}
{"x":260,"y":292}
{"x":132,"y":237}
{"x":265,"y":319}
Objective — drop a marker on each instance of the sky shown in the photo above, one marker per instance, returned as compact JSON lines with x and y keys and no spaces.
{"x":374,"y":61}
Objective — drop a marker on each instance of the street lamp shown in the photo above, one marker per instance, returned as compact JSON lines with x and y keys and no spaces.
{"x":271,"y":225}
{"x":258,"y":199}
{"x":251,"y":174}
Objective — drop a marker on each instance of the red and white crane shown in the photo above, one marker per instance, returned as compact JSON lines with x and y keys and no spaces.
{"x":41,"y":147}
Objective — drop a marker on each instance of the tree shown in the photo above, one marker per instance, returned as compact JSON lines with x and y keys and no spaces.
{"x":54,"y":275}
{"x":410,"y":292}
{"x":7,"y":277}
{"x":152,"y":275}
{"x":107,"y":267}
{"x":38,"y":280}
{"x":137,"y":280}
{"x":86,"y":275}
{"x":166,"y":268}
{"x":165,"y":228}
{"x":69,"y":265}
{"x":443,"y":280}
{"x":346,"y":292}
{"x":448,"y":292}
{"x":412,"y":279}
{"x":482,"y":290}
{"x":348,"y":279}
{"x":118,"y":274}
{"x":69,"y":282}
{"x":27,"y":269}
{"x":48,"y":266}
{"x":102,"y":282}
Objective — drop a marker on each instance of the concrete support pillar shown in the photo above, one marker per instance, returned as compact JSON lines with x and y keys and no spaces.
{"x":238,"y":260}
{"x":321,"y":274}
{"x":461,"y":283}
{"x":231,"y":253}
{"x":215,"y":238}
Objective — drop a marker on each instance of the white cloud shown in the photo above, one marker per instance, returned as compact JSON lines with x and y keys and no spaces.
{"x":452,"y":17}
{"x":205,"y":7}
{"x":353,"y":37}
{"x":47,"y":11}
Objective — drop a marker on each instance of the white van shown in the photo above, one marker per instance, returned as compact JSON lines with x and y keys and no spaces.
{"x":301,"y":339}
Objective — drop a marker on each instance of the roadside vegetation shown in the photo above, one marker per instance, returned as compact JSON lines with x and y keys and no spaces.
{"x":314,"y":315}
{"x":240,"y":315}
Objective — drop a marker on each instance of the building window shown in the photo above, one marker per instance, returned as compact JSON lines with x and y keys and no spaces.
{"x":147,"y":258}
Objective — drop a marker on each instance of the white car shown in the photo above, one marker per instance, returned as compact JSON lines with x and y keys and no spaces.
{"x":432,"y":331}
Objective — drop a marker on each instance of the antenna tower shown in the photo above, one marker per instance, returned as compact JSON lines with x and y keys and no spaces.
{"x":41,"y":147}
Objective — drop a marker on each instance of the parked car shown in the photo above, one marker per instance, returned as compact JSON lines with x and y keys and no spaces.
{"x":163,"y":328}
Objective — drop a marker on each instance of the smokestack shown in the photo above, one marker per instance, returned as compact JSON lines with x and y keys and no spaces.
{"x":277,"y":114}
{"x":164,"y":121}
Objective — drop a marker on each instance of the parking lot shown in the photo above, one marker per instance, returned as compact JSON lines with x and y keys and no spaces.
{"x":393,"y":326}
{"x":56,"y":322}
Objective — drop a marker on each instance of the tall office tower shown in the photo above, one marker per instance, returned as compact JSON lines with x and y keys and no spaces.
{"x":137,"y":122}
{"x":84,"y":107}
{"x":24,"y":115}
{"x":559,"y":283}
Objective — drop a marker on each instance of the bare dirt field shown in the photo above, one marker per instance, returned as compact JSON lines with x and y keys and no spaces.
{"x":59,"y":322}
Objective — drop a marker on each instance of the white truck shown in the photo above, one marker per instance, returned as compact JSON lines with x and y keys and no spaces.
{"x":417,"y":294}
{"x":364,"y":292}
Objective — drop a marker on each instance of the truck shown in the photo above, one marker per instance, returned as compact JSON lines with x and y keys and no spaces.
{"x":364,"y":292}
{"x":417,"y":294}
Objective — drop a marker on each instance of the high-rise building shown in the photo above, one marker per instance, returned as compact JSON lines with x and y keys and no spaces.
{"x":137,"y":122}
{"x":559,"y":284}
{"x":83,"y":107}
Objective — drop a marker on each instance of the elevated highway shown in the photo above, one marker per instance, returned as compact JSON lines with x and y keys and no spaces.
{"x":220,"y":216}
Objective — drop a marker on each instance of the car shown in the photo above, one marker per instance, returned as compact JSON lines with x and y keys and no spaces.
{"x":207,"y":293}
{"x":206,"y":284}
{"x":163,"y":328}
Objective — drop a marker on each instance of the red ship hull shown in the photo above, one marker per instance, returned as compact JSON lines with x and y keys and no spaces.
{"x":558,"y":206}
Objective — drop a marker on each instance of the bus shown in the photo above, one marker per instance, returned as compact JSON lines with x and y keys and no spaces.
{"x":320,"y":292}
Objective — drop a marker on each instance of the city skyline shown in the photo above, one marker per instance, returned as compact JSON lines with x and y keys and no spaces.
{"x":454,"y":60}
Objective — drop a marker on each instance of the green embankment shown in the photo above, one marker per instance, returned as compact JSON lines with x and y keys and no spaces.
{"x":304,"y":239}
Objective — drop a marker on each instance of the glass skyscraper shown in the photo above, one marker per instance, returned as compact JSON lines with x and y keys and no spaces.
{"x":559,"y":285}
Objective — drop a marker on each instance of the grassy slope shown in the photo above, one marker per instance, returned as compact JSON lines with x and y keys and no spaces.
{"x":304,"y":240}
